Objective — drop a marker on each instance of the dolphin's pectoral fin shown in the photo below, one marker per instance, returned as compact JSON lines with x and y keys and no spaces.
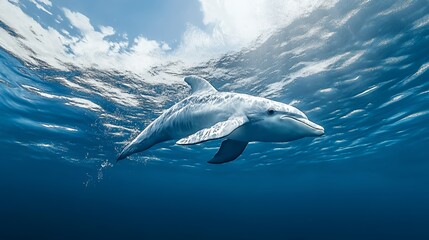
{"x":228,"y":151}
{"x":219,"y":130}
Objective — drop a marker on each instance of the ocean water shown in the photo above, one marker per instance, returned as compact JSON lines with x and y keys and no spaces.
{"x":359,"y":69}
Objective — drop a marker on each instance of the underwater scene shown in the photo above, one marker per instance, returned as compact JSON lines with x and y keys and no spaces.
{"x":79,"y":80}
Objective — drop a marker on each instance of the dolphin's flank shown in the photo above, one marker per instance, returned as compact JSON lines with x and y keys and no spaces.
{"x":238,"y":118}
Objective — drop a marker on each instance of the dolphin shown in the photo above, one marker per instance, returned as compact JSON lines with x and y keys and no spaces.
{"x":208,"y":114}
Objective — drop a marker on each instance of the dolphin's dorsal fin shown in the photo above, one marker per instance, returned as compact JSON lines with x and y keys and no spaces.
{"x":199,"y":84}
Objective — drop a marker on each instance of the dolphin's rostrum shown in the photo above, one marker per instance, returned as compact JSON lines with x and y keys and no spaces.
{"x":239,"y":118}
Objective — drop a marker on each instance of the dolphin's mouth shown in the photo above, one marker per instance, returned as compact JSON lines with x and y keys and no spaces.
{"x":307,"y":122}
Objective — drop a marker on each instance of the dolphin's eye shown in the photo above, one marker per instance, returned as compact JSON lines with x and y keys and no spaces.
{"x":270,"y":111}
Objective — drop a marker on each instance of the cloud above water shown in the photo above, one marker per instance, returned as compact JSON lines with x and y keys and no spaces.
{"x":232,"y":25}
{"x":228,"y":26}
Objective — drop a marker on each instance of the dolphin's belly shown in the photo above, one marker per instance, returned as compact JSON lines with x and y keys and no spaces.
{"x":253,"y":133}
{"x":244,"y":134}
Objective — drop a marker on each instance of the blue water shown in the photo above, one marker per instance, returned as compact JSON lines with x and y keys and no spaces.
{"x":363,"y":76}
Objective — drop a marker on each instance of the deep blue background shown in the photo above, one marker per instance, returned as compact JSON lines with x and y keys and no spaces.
{"x":377,"y":198}
{"x":367,"y":178}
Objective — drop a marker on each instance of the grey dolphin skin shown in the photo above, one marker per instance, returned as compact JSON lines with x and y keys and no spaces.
{"x":208,"y":114}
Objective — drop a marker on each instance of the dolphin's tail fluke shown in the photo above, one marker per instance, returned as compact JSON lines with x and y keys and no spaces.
{"x":124,"y":153}
{"x":140,"y":143}
{"x":127,"y":151}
